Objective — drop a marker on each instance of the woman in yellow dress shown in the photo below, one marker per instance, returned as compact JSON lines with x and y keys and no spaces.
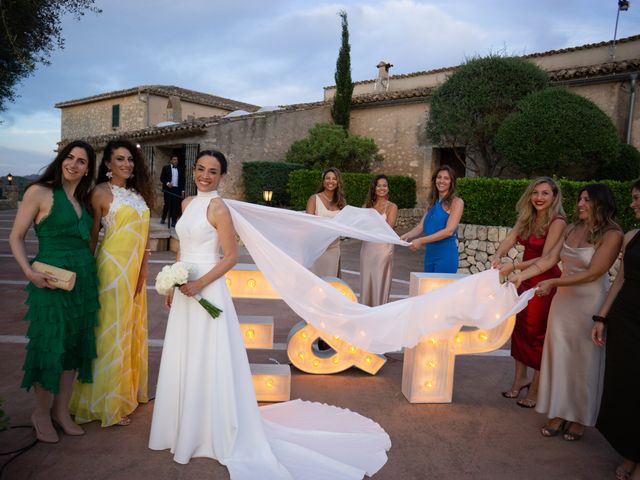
{"x":121,"y":204}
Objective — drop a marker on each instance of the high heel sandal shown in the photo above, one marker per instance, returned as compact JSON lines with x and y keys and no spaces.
{"x":124,"y":421}
{"x":622,"y":473}
{"x":570,"y":436}
{"x":515,"y":393}
{"x":548,"y":431}
{"x":68,"y":431}
{"x":526,"y":403}
{"x":41,"y":436}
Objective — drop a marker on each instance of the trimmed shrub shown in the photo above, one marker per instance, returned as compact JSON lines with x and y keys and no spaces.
{"x":329,"y":145}
{"x":492,"y":201}
{"x":304,"y":183}
{"x":257,"y":175}
{"x":468,"y":108}
{"x":625,"y":167}
{"x":555,"y":131}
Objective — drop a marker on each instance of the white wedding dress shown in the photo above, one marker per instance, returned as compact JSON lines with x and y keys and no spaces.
{"x":205,"y":404}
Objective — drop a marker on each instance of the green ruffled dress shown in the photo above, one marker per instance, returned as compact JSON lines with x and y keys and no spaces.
{"x":61,"y":334}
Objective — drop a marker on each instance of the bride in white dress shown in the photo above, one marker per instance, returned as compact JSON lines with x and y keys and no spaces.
{"x":205,"y":403}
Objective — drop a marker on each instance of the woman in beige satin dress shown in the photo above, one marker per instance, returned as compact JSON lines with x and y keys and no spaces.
{"x":572,"y":367}
{"x":376,"y":259}
{"x":327,"y":202}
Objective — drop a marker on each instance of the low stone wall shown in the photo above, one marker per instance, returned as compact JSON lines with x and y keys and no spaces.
{"x":477,"y":245}
{"x":9,"y":198}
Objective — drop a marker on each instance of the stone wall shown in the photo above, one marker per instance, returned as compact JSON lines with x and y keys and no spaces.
{"x":256,"y":137}
{"x":399,"y":132}
{"x":93,"y":119}
{"x":10,"y":197}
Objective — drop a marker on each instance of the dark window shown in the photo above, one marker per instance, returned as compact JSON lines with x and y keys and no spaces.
{"x":451,"y":157}
{"x":115,"y":116}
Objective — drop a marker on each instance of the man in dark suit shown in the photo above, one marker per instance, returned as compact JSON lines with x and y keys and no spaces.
{"x":172,"y":180}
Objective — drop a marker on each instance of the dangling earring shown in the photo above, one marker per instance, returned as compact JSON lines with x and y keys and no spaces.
{"x":131,"y":176}
{"x":109,"y":174}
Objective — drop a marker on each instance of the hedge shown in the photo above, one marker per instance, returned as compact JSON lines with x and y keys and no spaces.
{"x":257,"y":175}
{"x":492,"y":201}
{"x":304,"y":183}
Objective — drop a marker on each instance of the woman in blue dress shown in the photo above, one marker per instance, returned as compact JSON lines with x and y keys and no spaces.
{"x":439,"y":224}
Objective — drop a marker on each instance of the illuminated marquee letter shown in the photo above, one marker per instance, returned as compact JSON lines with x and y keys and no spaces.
{"x":246,"y":281}
{"x":427,"y":373}
{"x":302,"y":347}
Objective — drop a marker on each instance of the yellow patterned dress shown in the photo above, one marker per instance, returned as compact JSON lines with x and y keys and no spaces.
{"x":121,"y":369}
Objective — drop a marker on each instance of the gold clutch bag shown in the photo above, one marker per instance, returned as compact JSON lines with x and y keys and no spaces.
{"x":63,"y":279}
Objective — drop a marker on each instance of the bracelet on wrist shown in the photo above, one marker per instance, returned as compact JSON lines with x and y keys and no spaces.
{"x":600,"y":318}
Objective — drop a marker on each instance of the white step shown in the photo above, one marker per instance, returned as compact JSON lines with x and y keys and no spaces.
{"x":271,"y":381}
{"x":257,"y":331}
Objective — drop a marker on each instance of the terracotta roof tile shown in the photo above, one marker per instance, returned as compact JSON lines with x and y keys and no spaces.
{"x":190,"y":126}
{"x":532,"y":55}
{"x":166,"y":91}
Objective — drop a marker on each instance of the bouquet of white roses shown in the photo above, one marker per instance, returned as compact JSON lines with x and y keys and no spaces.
{"x":175,"y":276}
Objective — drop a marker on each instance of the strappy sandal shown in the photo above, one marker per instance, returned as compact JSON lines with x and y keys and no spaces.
{"x":124,"y":421}
{"x":515,"y":393}
{"x":549,"y":431}
{"x":570,"y":436}
{"x":526,"y":403}
{"x":622,"y":473}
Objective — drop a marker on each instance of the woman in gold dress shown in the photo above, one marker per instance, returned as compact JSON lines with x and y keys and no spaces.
{"x":376,"y":259}
{"x":121,"y":204}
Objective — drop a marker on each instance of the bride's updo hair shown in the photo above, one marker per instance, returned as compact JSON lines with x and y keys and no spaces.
{"x":217,"y":154}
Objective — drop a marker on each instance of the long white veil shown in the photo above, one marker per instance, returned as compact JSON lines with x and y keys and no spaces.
{"x":282,"y":242}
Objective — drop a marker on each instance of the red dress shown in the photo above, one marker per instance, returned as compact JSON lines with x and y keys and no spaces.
{"x":531,"y":323}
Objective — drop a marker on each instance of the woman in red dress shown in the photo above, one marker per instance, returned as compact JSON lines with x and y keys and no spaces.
{"x":541,"y":221}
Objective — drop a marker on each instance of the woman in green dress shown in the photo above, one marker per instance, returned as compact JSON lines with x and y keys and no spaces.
{"x":61,"y":331}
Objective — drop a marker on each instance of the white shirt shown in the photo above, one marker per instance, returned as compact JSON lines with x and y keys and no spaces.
{"x":174,"y":176}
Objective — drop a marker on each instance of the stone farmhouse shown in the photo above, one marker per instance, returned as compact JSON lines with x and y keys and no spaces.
{"x":166,"y":120}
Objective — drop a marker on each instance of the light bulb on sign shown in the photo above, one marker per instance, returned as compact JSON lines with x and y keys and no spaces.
{"x":352,"y":349}
{"x":251,"y":283}
{"x":269,"y":383}
{"x":251,"y":333}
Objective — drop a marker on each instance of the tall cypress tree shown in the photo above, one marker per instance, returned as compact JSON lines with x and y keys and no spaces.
{"x":344,"y":86}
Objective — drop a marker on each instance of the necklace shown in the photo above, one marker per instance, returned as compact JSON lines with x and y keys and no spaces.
{"x":328,"y":199}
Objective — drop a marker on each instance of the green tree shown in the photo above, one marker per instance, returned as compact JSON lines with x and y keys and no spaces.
{"x":556,"y":131}
{"x":340,"y":110}
{"x":329,"y":146}
{"x":625,"y":167}
{"x":469,"y":107}
{"x":29,"y":32}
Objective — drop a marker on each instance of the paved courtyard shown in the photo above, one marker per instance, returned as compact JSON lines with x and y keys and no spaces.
{"x":480,"y":435}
